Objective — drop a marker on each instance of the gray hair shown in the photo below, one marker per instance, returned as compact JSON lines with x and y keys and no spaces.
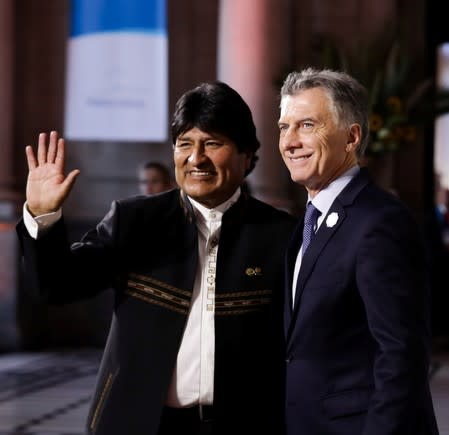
{"x":348,"y":97}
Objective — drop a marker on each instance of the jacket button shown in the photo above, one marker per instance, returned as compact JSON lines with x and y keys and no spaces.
{"x":288,"y":359}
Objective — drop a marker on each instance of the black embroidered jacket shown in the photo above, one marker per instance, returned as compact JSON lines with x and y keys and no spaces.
{"x":146,"y":249}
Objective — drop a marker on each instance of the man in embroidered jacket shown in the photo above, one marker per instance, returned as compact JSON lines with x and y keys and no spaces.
{"x":197,"y":274}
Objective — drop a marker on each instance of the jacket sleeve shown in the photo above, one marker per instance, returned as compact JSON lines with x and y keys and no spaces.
{"x":60,"y":272}
{"x":392,"y":282}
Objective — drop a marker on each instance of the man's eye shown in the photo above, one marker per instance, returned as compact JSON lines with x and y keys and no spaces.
{"x":213,"y":144}
{"x":307,"y":124}
{"x":182,"y":144}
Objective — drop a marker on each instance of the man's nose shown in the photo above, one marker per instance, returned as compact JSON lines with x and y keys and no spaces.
{"x":197,"y":155}
{"x":290,"y":139}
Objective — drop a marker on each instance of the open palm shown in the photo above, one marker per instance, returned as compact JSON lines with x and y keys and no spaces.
{"x":47,"y":186}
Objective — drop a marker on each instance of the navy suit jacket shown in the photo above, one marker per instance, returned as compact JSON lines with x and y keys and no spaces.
{"x":146,"y":250}
{"x":358,"y":337}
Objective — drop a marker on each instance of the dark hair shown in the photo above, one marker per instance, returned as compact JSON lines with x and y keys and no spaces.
{"x":348,"y":97}
{"x":214,"y":107}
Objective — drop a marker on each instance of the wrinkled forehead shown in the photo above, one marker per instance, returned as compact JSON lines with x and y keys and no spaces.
{"x":309,"y":99}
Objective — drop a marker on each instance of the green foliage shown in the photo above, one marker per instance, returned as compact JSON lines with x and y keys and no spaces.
{"x":400,"y":103}
{"x":394,"y":94}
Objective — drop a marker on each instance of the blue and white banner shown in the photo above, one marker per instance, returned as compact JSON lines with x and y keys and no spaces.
{"x":117,"y":71}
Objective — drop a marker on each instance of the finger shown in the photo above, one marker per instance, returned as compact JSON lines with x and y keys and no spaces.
{"x":42,"y":149}
{"x":31,"y":159}
{"x":70,"y":179}
{"x":51,"y":154}
{"x":60,"y":154}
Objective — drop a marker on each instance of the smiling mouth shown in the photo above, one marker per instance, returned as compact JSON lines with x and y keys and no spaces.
{"x":201,"y":173}
{"x":299,"y":158}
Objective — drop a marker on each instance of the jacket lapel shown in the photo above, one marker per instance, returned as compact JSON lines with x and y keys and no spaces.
{"x":324,"y":234}
{"x":320,"y":240}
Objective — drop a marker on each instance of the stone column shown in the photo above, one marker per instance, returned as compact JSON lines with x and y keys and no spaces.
{"x":252,"y":40}
{"x":7,"y":196}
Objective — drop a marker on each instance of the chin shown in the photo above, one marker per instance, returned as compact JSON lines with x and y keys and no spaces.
{"x":199,"y":196}
{"x":297,"y":178}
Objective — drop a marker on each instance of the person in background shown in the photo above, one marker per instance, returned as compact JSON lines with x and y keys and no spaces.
{"x":196,"y":344}
{"x":357,"y":297}
{"x":442,"y":208}
{"x":154,"y":177}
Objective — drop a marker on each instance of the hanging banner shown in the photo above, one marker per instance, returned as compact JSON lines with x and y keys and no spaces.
{"x":117,"y":73}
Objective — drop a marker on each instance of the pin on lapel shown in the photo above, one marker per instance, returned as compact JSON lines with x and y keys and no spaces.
{"x":253,"y":271}
{"x":332,"y":219}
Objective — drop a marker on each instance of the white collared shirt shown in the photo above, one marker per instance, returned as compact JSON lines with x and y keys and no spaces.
{"x":323,"y":201}
{"x":193,"y":377}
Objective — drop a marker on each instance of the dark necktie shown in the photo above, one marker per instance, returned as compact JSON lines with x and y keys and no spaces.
{"x":310,"y":220}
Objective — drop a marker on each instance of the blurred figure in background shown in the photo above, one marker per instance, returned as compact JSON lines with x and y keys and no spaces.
{"x":154,"y":177}
{"x":442,"y":209}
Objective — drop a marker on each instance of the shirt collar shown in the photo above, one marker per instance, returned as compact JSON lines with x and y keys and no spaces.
{"x":324,"y":198}
{"x":216,"y":213}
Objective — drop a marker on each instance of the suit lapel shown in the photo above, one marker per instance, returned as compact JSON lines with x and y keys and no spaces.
{"x":320,"y":240}
{"x":322,"y":237}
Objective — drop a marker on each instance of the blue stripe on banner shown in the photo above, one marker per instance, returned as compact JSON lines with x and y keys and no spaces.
{"x":92,"y":16}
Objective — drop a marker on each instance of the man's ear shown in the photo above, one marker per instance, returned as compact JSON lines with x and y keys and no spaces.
{"x":354,"y":136}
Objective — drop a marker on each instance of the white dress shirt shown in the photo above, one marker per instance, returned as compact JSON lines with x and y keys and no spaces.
{"x":323,"y":201}
{"x":193,"y":377}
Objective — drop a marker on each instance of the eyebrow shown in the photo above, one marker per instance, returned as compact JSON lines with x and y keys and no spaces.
{"x":183,"y":137}
{"x":305,"y":119}
{"x":209,"y":136}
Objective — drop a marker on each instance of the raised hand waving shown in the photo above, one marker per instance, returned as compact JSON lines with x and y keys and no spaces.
{"x":47,"y":185}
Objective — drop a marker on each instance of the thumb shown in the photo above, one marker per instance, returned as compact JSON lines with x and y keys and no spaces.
{"x":70,"y":179}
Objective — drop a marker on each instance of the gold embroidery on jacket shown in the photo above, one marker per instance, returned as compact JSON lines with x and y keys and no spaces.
{"x":241,"y":302}
{"x":158,"y":293}
{"x":104,"y":392}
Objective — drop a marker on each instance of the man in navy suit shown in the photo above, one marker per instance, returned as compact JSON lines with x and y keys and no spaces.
{"x":195,"y":345}
{"x":357,"y":299}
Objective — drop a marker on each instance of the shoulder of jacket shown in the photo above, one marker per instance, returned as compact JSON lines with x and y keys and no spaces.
{"x":262,"y":208}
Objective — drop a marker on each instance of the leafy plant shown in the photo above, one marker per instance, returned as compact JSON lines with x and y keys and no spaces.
{"x":399,"y":103}
{"x":394,"y":93}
